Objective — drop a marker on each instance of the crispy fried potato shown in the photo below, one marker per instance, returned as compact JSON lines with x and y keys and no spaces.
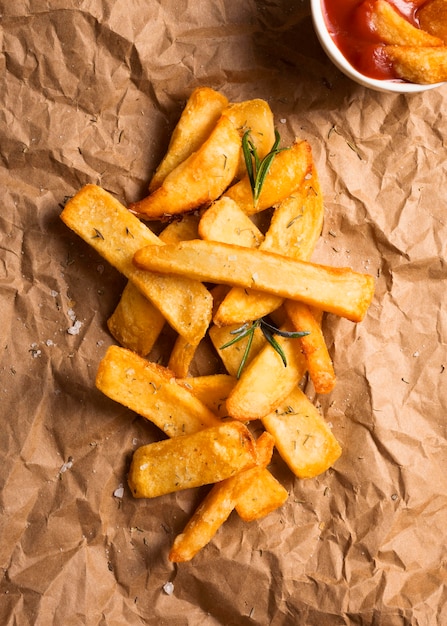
{"x":337,"y":290}
{"x":257,"y":117}
{"x":151,"y":391}
{"x":116,"y":234}
{"x":181,"y":357}
{"x":266,"y":381}
{"x":225,"y":221}
{"x":201,"y":113}
{"x":208,"y":456}
{"x":213,"y":390}
{"x":182,"y":229}
{"x":419,"y":64}
{"x":264,"y":495}
{"x":231,"y":356}
{"x":302,"y":436}
{"x":319,"y":362}
{"x":432,"y":17}
{"x":200,"y":179}
{"x":135,"y":322}
{"x":218,"y":504}
{"x":394,"y":29}
{"x":294,"y":230}
{"x":288,"y":170}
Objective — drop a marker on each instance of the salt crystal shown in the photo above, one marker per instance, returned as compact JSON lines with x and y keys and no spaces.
{"x":168,"y":588}
{"x":119,"y":492}
{"x":74,"y":330}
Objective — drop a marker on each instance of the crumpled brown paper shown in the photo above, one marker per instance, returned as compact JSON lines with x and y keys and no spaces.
{"x":91,"y":91}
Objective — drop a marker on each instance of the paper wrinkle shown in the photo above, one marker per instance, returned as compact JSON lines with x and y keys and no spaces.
{"x":91,"y":93}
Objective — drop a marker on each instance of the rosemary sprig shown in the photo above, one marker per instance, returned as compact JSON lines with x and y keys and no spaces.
{"x":257,"y":169}
{"x":268,"y":330}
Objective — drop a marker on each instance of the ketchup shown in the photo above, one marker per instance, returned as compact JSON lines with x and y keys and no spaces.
{"x":349,"y":24}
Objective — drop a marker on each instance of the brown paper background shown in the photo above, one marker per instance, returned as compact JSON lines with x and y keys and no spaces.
{"x":90,"y":92}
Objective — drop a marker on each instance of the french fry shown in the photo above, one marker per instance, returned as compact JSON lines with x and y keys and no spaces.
{"x":287,"y":171}
{"x":319,"y":362}
{"x":104,"y":223}
{"x":419,"y":64}
{"x":231,"y":356}
{"x":294,"y":230}
{"x":302,"y":436}
{"x":266,"y":381}
{"x":215,"y":509}
{"x":182,"y":229}
{"x":135,"y":323}
{"x":392,"y":28}
{"x":337,"y":290}
{"x":257,"y":117}
{"x":264,"y":495}
{"x":207,"y":456}
{"x":213,"y":390}
{"x":201,"y":113}
{"x":200,"y":179}
{"x":432,"y":17}
{"x":151,"y":391}
{"x":181,"y":356}
{"x":225,"y":221}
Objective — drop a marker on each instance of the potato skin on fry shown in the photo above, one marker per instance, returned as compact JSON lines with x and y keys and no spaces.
{"x":200,"y":179}
{"x":208,"y":456}
{"x":419,"y":64}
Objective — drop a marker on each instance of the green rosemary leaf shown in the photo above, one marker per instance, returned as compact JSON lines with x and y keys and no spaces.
{"x":246,"y":353}
{"x":289,"y":334}
{"x":272,"y":341}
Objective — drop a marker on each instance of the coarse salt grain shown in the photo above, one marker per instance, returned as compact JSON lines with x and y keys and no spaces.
{"x":168,"y":588}
{"x":74,"y":330}
{"x":119,"y":491}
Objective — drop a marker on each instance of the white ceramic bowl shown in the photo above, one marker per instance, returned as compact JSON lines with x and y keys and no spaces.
{"x":340,"y":61}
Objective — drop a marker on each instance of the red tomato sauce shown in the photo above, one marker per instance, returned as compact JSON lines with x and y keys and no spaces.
{"x":349,"y":25}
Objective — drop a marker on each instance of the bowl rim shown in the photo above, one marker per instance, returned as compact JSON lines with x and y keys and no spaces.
{"x":340,"y":61}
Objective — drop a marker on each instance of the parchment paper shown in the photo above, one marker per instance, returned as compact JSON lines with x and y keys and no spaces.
{"x":90,"y":92}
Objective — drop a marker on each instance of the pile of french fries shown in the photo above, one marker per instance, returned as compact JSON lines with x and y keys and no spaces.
{"x":215,"y":274}
{"x":418,"y":55}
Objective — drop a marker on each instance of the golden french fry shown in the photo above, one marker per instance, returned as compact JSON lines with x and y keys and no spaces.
{"x":302,"y":436}
{"x":116,"y":234}
{"x":287,"y":172}
{"x":337,"y":290}
{"x":225,"y":221}
{"x":208,"y":456}
{"x":232,"y":355}
{"x":201,"y":113}
{"x":213,"y":390}
{"x":151,"y":391}
{"x":318,"y":360}
{"x":200,"y":179}
{"x":257,"y":117}
{"x":264,"y":495}
{"x":432,"y":17}
{"x":419,"y":64}
{"x":393,"y":28}
{"x":181,"y":357}
{"x":265,"y":382}
{"x":182,"y":229}
{"x":218,"y":504}
{"x":135,"y":323}
{"x":294,"y":230}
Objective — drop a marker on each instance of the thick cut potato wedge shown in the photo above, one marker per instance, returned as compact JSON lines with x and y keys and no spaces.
{"x":264,"y":495}
{"x":213,"y":390}
{"x":266,"y":381}
{"x":287,"y":172}
{"x":200,"y":179}
{"x":419,"y":64}
{"x":232,"y":355}
{"x":225,"y":221}
{"x":319,"y":362}
{"x":151,"y":391}
{"x":302,"y":436}
{"x":135,"y":323}
{"x":257,"y":117}
{"x":199,"y":117}
{"x":218,"y":504}
{"x":208,"y":456}
{"x":116,"y":234}
{"x":433,"y":18}
{"x":294,"y":230}
{"x":182,"y":229}
{"x":392,"y":28}
{"x":337,"y":290}
{"x":181,"y":357}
